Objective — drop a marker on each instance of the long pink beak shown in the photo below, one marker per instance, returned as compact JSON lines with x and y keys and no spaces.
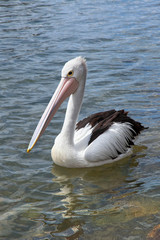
{"x":66,"y":87}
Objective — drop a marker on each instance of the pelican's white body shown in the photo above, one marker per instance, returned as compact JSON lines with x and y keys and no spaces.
{"x":83,"y":155}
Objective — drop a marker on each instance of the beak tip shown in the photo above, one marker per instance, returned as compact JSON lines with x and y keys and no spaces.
{"x":28,"y":150}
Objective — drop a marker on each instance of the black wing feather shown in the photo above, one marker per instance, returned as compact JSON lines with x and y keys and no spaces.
{"x":103,"y":120}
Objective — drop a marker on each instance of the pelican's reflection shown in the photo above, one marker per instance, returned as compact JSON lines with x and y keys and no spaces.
{"x":92,"y":191}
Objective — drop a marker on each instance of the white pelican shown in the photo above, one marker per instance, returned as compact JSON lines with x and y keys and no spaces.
{"x":101,"y":138}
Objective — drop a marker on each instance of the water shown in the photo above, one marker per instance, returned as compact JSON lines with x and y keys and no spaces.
{"x":120,"y":40}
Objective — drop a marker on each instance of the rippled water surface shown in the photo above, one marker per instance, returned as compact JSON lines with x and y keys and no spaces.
{"x":121,"y":42}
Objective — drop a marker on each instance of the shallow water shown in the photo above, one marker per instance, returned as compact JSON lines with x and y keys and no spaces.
{"x":120,"y":41}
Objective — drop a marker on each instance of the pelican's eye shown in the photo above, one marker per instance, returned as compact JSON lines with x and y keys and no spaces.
{"x":70,"y":74}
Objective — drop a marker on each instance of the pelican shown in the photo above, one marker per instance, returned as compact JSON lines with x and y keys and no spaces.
{"x":99,"y":139}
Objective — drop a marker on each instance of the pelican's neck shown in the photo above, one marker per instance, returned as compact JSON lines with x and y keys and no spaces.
{"x":72,"y":112}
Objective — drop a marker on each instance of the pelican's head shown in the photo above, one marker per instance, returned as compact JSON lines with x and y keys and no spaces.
{"x":73,"y":75}
{"x":75,"y":68}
